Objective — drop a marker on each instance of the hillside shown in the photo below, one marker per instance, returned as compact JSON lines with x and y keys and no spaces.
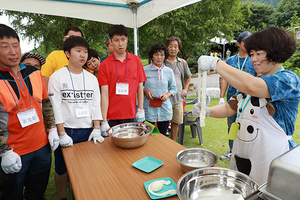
{"x":274,"y":3}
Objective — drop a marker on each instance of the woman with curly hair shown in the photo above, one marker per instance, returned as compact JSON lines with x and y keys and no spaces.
{"x":268,"y":106}
{"x":160,"y":85}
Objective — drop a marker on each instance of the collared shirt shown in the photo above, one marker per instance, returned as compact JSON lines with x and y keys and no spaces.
{"x":159,"y":87}
{"x":55,"y":61}
{"x":121,"y":106}
{"x":26,"y":89}
{"x":182,"y":72}
{"x":284,"y":88}
{"x":248,"y":67}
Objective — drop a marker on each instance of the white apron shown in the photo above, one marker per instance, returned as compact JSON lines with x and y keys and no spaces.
{"x":260,"y":139}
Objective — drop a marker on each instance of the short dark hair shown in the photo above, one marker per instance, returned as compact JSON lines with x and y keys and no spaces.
{"x":156,"y":48}
{"x":73,"y":28}
{"x":173,"y":38}
{"x":93,"y":53}
{"x":280,"y":44}
{"x":74,"y":41}
{"x":6,"y":31}
{"x":117,"y":29}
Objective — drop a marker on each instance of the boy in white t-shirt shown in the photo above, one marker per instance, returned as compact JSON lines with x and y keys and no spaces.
{"x":75,"y":96}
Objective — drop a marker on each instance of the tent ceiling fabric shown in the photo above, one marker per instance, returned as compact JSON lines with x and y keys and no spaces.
{"x":107,"y":11}
{"x":221,"y":40}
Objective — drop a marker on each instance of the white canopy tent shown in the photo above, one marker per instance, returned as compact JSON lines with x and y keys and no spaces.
{"x":297,"y":32}
{"x":130,"y":13}
{"x":221,"y":41}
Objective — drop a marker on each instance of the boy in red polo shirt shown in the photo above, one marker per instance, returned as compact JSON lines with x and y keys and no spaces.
{"x":121,"y":78}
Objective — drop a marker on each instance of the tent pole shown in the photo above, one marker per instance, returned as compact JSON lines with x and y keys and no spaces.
{"x":224,"y":51}
{"x":135,"y":40}
{"x":133,"y":7}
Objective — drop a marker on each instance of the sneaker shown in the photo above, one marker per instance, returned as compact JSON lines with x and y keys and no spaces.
{"x":226,"y":155}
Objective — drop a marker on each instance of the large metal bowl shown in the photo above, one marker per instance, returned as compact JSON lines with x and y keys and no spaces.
{"x":130,"y":135}
{"x":195,"y":158}
{"x":204,"y":183}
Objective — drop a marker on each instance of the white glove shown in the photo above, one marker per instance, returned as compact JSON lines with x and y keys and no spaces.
{"x":53,"y":138}
{"x":65,"y":140}
{"x":207,"y":63}
{"x":197,"y":110}
{"x":104,"y":128}
{"x":222,"y":101}
{"x":11,"y":162}
{"x":96,"y":135}
{"x":140,"y":115}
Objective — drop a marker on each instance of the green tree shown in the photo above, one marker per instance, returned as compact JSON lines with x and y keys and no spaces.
{"x":194,"y":25}
{"x":273,"y":3}
{"x":48,"y":31}
{"x":285,"y":11}
{"x":293,"y":62}
{"x":262,"y":15}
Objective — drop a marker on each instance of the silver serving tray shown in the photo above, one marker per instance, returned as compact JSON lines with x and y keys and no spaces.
{"x":284,"y":176}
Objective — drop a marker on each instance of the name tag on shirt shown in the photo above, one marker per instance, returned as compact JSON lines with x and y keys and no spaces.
{"x":122,"y":88}
{"x":82,"y":110}
{"x":28,"y":117}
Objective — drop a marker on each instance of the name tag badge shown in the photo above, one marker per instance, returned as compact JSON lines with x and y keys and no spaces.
{"x":234,"y":128}
{"x":122,"y":88}
{"x":27,"y":117}
{"x":82,"y":110}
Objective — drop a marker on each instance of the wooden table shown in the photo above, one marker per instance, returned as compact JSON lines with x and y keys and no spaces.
{"x":105,"y":171}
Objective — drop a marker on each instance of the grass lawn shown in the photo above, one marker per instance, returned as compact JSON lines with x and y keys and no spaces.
{"x":214,"y":136}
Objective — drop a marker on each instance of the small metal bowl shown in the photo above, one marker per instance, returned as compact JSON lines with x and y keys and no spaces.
{"x":195,"y":158}
{"x":204,"y":183}
{"x":130,"y":135}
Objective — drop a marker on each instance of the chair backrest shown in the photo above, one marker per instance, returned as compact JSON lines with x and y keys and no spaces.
{"x":190,"y":101}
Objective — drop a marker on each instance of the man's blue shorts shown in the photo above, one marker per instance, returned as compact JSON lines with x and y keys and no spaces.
{"x":78,"y":135}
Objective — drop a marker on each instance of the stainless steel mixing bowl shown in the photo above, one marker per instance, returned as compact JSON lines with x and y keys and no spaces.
{"x":194,"y":158}
{"x":201,"y":184}
{"x":130,"y":135}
